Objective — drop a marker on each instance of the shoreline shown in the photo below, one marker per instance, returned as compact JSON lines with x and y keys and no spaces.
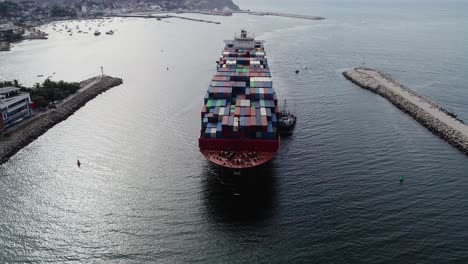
{"x":434,"y":117}
{"x":153,"y":14}
{"x":23,"y":134}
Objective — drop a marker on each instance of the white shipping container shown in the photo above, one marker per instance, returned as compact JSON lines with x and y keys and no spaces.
{"x":263,"y":111}
{"x":236,"y":124}
{"x":245,"y":103}
{"x":213,"y":133}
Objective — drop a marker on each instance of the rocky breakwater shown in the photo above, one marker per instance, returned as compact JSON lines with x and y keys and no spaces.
{"x":431,"y":115}
{"x":24,"y":134}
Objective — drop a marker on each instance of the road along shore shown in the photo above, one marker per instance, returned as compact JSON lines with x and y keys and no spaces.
{"x":434,"y":117}
{"x":25,"y":133}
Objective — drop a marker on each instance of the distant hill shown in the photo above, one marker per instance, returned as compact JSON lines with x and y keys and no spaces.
{"x":198,"y":4}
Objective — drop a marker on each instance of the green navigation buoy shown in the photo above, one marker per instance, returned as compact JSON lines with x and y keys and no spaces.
{"x":402,"y":179}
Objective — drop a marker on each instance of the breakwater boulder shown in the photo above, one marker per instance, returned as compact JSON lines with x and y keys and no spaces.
{"x":14,"y":141}
{"x":434,"y":117}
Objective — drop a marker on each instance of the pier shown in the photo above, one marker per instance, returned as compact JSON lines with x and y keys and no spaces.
{"x":298,"y":16}
{"x":16,"y":138}
{"x":434,"y":117}
{"x":165,"y":17}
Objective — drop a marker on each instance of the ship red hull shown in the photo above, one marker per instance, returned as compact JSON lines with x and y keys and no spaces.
{"x":239,"y":153}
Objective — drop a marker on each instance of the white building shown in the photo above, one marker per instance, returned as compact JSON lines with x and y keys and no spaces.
{"x":14,"y":106}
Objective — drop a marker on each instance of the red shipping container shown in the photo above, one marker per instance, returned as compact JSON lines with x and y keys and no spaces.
{"x":237,"y":111}
{"x":203,"y":111}
{"x":252,"y":123}
{"x":264,"y":124}
{"x":247,"y":111}
{"x":225,"y":120}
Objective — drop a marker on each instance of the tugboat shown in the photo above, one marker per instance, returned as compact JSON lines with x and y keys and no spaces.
{"x":97,"y":33}
{"x":286,"y":120}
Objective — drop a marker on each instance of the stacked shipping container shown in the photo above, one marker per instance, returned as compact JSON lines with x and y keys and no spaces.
{"x":240,"y":102}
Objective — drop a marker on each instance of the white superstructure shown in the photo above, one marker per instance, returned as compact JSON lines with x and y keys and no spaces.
{"x":14,"y":106}
{"x":244,"y":41}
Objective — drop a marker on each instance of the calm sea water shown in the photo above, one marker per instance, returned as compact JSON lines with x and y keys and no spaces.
{"x":145,"y":193}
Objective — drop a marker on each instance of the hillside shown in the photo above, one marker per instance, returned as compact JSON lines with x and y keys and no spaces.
{"x":170,"y":4}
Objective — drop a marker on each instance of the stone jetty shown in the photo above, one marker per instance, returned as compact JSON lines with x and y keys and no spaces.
{"x":165,"y":17}
{"x":37,"y":125}
{"x":434,"y":117}
{"x":298,"y":16}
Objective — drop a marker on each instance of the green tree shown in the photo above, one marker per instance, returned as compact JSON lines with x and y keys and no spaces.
{"x":39,"y":101}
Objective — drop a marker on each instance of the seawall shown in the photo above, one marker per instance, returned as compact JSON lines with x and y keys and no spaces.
{"x":434,"y":117}
{"x":32,"y":129}
{"x":307,"y":17}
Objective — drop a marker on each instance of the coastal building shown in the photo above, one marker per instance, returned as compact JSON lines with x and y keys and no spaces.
{"x":4,"y":45}
{"x":14,"y":106}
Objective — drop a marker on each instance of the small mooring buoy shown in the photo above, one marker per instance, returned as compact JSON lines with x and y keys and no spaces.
{"x":78,"y":163}
{"x":297,"y":71}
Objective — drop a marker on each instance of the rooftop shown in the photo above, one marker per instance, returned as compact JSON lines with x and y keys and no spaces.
{"x":6,"y":90}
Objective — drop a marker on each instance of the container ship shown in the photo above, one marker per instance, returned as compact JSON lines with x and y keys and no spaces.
{"x":239,"y":117}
